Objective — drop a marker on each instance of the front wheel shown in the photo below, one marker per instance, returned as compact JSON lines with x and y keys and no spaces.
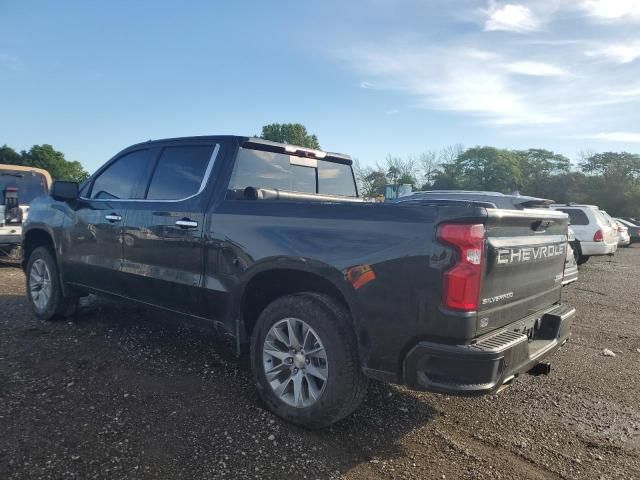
{"x":305,"y":362}
{"x":43,"y":287}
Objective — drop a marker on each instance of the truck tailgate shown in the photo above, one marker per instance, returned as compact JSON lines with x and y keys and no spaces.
{"x":525,"y":258}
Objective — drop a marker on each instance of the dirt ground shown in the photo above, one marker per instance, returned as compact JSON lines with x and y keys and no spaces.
{"x":123,"y":392}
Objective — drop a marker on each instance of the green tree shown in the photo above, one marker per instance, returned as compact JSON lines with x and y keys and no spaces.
{"x":428,"y":166}
{"x":291,"y":133}
{"x":613,"y":181}
{"x":8,"y":156}
{"x":447,"y":177}
{"x":540,"y":163}
{"x":538,"y":166}
{"x":400,"y":170}
{"x":489,"y":168}
{"x":562,"y":188}
{"x":620,"y":165}
{"x":374,"y":183}
{"x":46,"y":157}
{"x":370,"y":181}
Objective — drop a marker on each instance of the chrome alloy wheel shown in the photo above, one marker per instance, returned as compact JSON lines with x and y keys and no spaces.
{"x":295,"y":362}
{"x":40,"y":284}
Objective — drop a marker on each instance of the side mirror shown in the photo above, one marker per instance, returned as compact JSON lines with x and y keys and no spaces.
{"x":64,"y":191}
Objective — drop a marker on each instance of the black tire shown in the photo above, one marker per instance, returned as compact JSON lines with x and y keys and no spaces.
{"x":575,"y":246}
{"x":57,"y":306}
{"x":346,"y":384}
{"x":582,"y":259}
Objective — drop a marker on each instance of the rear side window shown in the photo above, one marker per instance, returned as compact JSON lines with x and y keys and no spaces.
{"x":608,"y":219}
{"x":259,"y":169}
{"x":576,"y":216}
{"x":600,"y":218}
{"x":180,"y":172}
{"x":120,"y":179}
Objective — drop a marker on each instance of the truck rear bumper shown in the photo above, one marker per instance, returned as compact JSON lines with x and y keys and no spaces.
{"x":483,"y":367}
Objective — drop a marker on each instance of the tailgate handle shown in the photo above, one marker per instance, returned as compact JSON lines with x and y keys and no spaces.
{"x":541,"y":225}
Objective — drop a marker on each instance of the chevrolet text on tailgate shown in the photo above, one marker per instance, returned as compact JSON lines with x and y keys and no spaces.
{"x":271,"y":244}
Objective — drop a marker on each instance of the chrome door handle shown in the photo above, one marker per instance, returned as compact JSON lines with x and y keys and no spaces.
{"x":112,"y":217}
{"x":186,"y":223}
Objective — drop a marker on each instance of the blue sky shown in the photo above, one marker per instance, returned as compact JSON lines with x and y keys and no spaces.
{"x":369,"y":78}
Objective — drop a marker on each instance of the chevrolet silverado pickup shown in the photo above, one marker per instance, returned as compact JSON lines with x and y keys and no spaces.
{"x":271,"y":244}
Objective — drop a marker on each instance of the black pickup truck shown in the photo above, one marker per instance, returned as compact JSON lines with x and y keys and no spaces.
{"x":271,"y":244}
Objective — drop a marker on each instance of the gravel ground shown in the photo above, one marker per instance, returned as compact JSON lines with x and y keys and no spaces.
{"x":122,"y":392}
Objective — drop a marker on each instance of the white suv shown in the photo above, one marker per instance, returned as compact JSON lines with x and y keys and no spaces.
{"x":594,"y":233}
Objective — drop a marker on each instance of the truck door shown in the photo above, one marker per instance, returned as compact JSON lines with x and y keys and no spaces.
{"x":92,"y":243}
{"x":162,"y":237}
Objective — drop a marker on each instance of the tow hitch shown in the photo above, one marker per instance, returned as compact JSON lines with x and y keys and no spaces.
{"x":542,"y":368}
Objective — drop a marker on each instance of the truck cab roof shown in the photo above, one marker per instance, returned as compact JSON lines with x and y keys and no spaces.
{"x":256,"y":143}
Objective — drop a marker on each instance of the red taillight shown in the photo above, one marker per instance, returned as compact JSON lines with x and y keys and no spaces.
{"x":597,"y":237}
{"x":461,"y":283}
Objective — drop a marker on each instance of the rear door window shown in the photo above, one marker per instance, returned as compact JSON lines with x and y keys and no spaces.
{"x":120,"y":179}
{"x":576,"y":216}
{"x":180,"y":172}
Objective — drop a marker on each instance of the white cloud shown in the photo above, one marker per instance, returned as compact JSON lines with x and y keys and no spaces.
{"x":623,"y":137}
{"x":625,"y":93}
{"x":557,"y":81}
{"x":618,"y":52}
{"x":456,"y":79}
{"x":612,"y":9}
{"x":511,"y":18}
{"x":535,"y":69}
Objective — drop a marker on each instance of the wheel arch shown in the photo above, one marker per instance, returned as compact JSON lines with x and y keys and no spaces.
{"x":269,"y":282}
{"x":43,"y":237}
{"x":34,"y":238}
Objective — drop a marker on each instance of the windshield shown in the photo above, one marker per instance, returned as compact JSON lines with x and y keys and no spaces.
{"x":29,"y":185}
{"x":260,"y":169}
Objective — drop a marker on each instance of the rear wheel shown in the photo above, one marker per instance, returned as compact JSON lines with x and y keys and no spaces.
{"x":305,"y":360}
{"x":44,"y":290}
